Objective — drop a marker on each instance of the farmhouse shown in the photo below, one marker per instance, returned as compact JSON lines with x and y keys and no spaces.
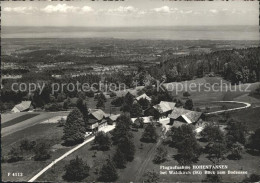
{"x":96,"y":119}
{"x":164,"y":108}
{"x":181,"y":116}
{"x":22,"y":107}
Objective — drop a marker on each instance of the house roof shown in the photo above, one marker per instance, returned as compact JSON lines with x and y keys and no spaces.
{"x":193,"y":116}
{"x":187,"y":115}
{"x":114,"y":117}
{"x":24,"y":105}
{"x":147,"y":119}
{"x":177,"y":112}
{"x":144,"y":96}
{"x":164,"y":106}
{"x":98,"y":114}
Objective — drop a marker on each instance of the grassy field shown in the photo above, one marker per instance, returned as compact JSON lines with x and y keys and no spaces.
{"x":46,"y":132}
{"x":95,"y":163}
{"x":29,"y":122}
{"x":18,"y":119}
{"x":135,"y":170}
{"x":249,"y":116}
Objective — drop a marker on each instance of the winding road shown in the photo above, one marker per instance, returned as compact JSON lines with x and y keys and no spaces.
{"x":247,"y":105}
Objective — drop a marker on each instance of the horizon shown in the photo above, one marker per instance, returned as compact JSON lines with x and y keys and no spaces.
{"x":129,"y":13}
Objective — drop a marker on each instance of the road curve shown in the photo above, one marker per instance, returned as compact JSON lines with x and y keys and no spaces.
{"x":247,"y":105}
{"x":66,"y":154}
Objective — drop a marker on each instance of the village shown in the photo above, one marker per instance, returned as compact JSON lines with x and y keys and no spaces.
{"x":169,"y":115}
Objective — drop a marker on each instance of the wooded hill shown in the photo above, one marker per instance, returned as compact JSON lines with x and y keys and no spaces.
{"x":237,"y":65}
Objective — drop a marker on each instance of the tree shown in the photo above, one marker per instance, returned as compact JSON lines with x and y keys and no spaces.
{"x":144,"y":103}
{"x":127,"y":147}
{"x":108,"y":172}
{"x":212,"y":178}
{"x":252,"y":178}
{"x":61,"y":122}
{"x":161,"y":155}
{"x":236,"y":131}
{"x":119,"y":159}
{"x":102,"y":97}
{"x":118,"y":101}
{"x":186,"y":94}
{"x":189,"y":150}
{"x":74,"y":129}
{"x":100,"y":103}
{"x":14,"y":155}
{"x":42,"y":151}
{"x":83,"y":108}
{"x":236,"y":151}
{"x":129,"y":99}
{"x":136,"y":110}
{"x":122,"y":129}
{"x":139,"y":122}
{"x":183,"y":138}
{"x":212,"y":133}
{"x":255,"y":140}
{"x":188,"y":104}
{"x":150,"y":134}
{"x":217,"y":151}
{"x":151,"y":177}
{"x":181,"y":133}
{"x":101,"y":142}
{"x":76,"y":170}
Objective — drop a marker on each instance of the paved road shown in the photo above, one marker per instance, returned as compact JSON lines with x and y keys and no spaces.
{"x":105,"y":129}
{"x":247,"y":105}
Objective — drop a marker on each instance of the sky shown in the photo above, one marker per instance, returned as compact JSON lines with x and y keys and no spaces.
{"x":129,"y":13}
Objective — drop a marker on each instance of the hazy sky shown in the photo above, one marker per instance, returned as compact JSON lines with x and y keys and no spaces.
{"x":129,"y":13}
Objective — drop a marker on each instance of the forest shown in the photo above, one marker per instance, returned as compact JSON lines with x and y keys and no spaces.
{"x":237,"y":65}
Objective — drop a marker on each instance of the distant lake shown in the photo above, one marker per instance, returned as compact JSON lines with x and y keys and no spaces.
{"x":171,"y":33}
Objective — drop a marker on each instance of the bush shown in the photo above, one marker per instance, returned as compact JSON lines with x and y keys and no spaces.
{"x":53,"y":107}
{"x":42,"y":151}
{"x":27,"y":145}
{"x":14,"y":155}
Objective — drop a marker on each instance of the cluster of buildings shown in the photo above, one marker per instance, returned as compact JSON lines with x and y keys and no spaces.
{"x":169,"y":115}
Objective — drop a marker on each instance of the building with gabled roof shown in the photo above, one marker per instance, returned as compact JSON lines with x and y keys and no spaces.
{"x":22,"y":107}
{"x":164,"y":107}
{"x":96,"y":119}
{"x":143,"y":96}
{"x":184,"y":115}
